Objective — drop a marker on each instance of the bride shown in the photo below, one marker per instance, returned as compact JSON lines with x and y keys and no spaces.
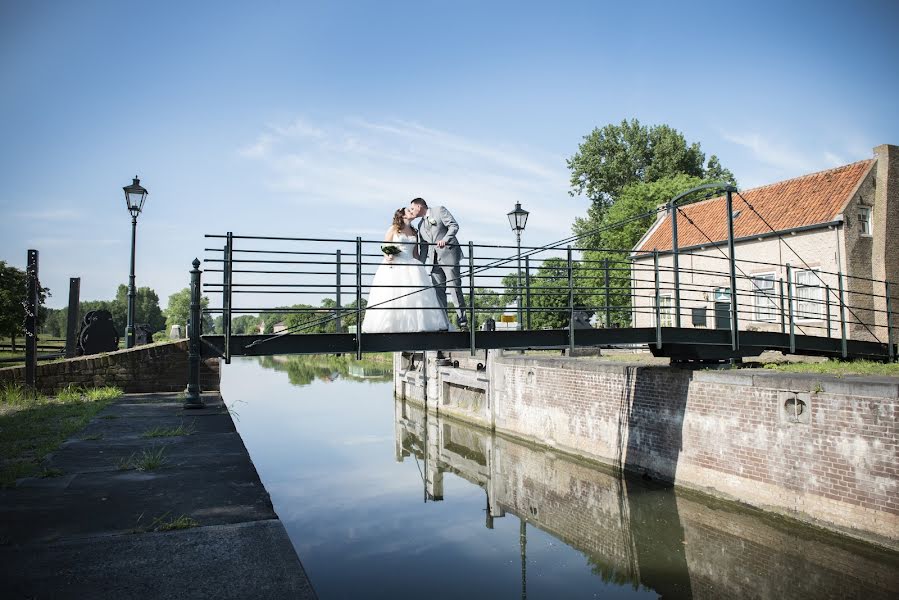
{"x":403,"y":298}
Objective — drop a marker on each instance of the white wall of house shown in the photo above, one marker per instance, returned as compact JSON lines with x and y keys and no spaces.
{"x":705,"y":280}
{"x":865,"y":253}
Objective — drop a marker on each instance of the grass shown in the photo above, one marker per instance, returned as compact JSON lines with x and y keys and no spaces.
{"x":839,"y":368}
{"x":164,"y":523}
{"x":169,"y":431}
{"x":182,"y":522}
{"x":146,"y":460}
{"x":32,"y":425}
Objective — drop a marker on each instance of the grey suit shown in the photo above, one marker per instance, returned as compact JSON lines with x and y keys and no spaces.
{"x":438,"y":224}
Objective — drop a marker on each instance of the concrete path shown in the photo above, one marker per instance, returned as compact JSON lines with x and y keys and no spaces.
{"x":93,"y":531}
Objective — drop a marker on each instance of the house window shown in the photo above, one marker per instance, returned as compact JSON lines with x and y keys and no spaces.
{"x":666,"y":311}
{"x":764,"y":298}
{"x":864,"y":220}
{"x":808,"y":301}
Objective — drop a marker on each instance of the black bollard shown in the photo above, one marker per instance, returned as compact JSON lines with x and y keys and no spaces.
{"x":193,"y":398}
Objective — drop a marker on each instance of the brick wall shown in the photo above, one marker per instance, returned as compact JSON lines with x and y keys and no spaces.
{"x":724,"y":432}
{"x":816,"y":448}
{"x":152,"y":368}
{"x":643,"y":533}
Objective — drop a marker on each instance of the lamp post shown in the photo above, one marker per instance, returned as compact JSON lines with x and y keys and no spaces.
{"x":518,"y":218}
{"x":135,"y":195}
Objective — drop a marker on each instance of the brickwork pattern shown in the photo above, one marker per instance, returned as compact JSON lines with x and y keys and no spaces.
{"x":152,"y":368}
{"x":648,"y":535}
{"x":723,"y":434}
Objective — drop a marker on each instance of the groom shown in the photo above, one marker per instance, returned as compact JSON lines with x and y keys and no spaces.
{"x":441,"y":252}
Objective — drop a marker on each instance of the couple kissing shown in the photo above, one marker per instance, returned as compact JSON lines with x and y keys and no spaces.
{"x":409,"y":289}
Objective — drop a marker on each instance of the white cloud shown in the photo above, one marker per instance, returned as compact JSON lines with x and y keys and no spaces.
{"x":774,"y":153}
{"x":51,"y":214}
{"x":364,"y":170}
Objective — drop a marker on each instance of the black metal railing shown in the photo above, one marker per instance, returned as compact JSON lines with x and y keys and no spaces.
{"x":561,"y":288}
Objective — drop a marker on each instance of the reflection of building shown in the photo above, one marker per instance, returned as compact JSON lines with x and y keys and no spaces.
{"x":367,"y":371}
{"x":636,"y":532}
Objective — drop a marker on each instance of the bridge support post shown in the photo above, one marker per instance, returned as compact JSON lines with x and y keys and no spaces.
{"x":608,"y":307}
{"x":655,"y":264}
{"x":827,"y":296}
{"x":472,"y":324}
{"x":672,"y":209}
{"x":790,"y":309}
{"x":570,"y":304}
{"x":892,"y":350}
{"x":734,"y":326}
{"x":783,"y":308}
{"x":193,"y":398}
{"x":227,"y":275}
{"x":358,"y":298}
{"x":843,"y":348}
{"x":337,"y":326}
{"x":527,"y":290}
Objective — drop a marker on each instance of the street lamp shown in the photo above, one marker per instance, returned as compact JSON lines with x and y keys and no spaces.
{"x":135,"y":195}
{"x":518,"y":218}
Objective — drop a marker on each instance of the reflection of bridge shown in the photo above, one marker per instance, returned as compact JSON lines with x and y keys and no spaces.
{"x":634,"y":532}
{"x":553,"y":286}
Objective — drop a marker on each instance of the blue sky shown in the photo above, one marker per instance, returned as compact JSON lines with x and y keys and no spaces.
{"x":318,"y":119}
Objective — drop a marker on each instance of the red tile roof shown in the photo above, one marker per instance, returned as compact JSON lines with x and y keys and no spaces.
{"x":807,"y":200}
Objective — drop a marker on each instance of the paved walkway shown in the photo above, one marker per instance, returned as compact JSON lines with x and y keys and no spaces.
{"x":91,"y":532}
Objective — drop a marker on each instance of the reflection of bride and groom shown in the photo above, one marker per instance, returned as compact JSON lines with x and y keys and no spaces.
{"x":408,"y":292}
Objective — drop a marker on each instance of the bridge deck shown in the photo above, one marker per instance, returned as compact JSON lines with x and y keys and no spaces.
{"x":676,"y":343}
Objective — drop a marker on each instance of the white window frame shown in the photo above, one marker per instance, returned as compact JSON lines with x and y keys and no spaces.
{"x":808,"y":295}
{"x":864,"y":220}
{"x":764,"y":297}
{"x":666,"y":310}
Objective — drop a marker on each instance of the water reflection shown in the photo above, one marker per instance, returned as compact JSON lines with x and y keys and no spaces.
{"x":303,"y":370}
{"x":634,"y":532}
{"x":383,"y":501}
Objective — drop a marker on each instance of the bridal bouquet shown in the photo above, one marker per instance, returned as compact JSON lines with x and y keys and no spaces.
{"x":390,"y":250}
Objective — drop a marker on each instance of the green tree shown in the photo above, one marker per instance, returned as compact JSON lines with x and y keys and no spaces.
{"x":304,"y":322}
{"x":349,"y":316}
{"x":244,"y":324}
{"x":616,"y":156}
{"x":55,"y":323}
{"x":549,"y":294}
{"x":634,"y":200}
{"x":510,"y":287}
{"x":13,"y":290}
{"x":178,"y":310}
{"x":146,"y":308}
{"x":489,"y":305}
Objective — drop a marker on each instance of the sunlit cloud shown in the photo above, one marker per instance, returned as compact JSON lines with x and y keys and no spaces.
{"x":774,"y":153}
{"x":365,"y":169}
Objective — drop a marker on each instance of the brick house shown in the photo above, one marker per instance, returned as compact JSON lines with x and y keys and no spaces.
{"x":842,"y":220}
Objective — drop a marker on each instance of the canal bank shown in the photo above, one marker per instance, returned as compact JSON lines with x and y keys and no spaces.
{"x":133,"y":513}
{"x":815,"y":448}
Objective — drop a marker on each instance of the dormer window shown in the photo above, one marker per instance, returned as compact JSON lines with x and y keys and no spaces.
{"x":864,"y":220}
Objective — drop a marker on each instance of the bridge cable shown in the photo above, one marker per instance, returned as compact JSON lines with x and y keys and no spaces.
{"x":781,"y":238}
{"x":717,"y":245}
{"x":496,"y":263}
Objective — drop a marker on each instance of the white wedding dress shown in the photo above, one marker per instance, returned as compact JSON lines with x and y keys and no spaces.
{"x":402,"y":298}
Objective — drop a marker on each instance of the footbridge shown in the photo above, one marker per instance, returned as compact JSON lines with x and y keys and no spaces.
{"x":703,"y":304}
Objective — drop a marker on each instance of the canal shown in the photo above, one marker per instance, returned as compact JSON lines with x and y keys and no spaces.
{"x":384,"y":501}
